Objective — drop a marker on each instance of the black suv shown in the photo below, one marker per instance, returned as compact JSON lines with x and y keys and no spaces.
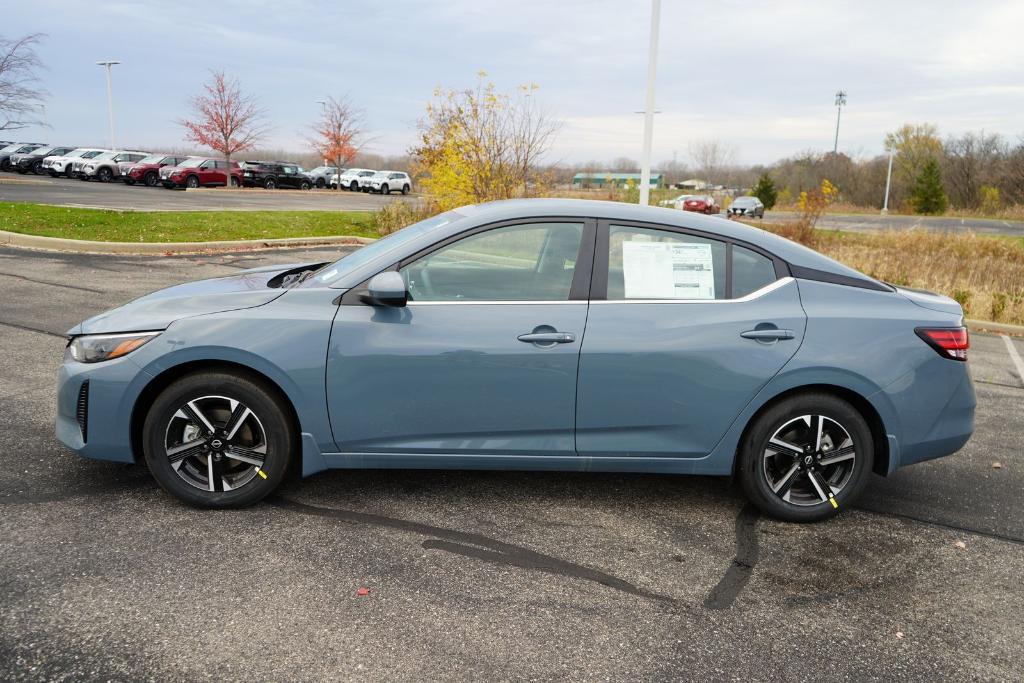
{"x":274,"y":174}
{"x":33,"y":161}
{"x":16,"y":148}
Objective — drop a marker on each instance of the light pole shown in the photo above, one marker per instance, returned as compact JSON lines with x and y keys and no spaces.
{"x":323,"y":108}
{"x":888,"y":180}
{"x":652,"y":63}
{"x":840,"y":101}
{"x":110,"y":98}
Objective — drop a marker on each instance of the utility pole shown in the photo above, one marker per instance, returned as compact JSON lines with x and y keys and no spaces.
{"x":840,"y":101}
{"x":888,"y":181}
{"x":110,"y":98}
{"x":652,"y":63}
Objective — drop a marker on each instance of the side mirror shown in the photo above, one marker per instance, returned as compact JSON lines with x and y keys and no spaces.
{"x":386,"y":289}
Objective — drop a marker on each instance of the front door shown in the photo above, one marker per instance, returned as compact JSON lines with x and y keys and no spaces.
{"x":482,"y":360}
{"x":683,"y":331}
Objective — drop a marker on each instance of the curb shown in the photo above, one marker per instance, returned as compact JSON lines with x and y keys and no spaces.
{"x":16,"y":239}
{"x":22,"y":181}
{"x":1000,"y":328}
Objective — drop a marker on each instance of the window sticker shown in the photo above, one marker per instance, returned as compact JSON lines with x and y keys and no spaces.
{"x":667,"y":270}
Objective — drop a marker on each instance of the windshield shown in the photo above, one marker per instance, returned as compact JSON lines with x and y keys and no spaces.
{"x":90,"y":155}
{"x":10,"y":148}
{"x":43,"y":150}
{"x":191,"y":163}
{"x":744,"y":200}
{"x":363,"y":174}
{"x":104,"y":155}
{"x":381,"y":174}
{"x":384,"y":245}
{"x":152,"y":159}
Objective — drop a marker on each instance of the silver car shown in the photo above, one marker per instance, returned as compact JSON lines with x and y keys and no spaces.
{"x":746,"y":206}
{"x":64,"y":164}
{"x":107,"y":166}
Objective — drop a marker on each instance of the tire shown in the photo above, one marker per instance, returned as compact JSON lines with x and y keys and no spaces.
{"x":320,"y":184}
{"x":269,"y":184}
{"x":265,"y":437}
{"x":192,"y":182}
{"x":54,"y":174}
{"x":305,"y":185}
{"x":405,"y":189}
{"x":104,"y":175}
{"x":353,"y":186}
{"x":779,"y":480}
{"x":234,"y":181}
{"x":129,"y":181}
{"x":334,"y":186}
{"x":384,"y":189}
{"x":37,"y":168}
{"x":151,"y":179}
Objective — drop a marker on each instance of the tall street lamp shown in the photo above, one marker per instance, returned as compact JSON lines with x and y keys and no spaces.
{"x":323,"y":108}
{"x":888,"y":181}
{"x":840,"y":101}
{"x":110,"y":98}
{"x":652,"y":63}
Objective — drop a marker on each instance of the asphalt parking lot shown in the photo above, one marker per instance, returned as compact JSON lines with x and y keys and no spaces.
{"x":117,"y":195}
{"x":482,"y":575}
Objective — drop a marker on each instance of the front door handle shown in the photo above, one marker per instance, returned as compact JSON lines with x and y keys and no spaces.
{"x":547,"y":338}
{"x":770,"y":334}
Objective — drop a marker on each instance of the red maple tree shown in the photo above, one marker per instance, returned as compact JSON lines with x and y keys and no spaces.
{"x":224,"y":119}
{"x":337,"y":135}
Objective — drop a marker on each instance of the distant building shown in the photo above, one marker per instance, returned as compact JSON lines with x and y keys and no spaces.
{"x":605,"y":178}
{"x":693,"y":184}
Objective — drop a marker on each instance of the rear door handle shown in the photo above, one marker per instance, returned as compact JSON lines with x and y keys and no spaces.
{"x":767,"y":334}
{"x":547,"y":338}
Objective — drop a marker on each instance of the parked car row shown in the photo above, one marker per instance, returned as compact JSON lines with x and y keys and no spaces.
{"x":176,"y":171}
{"x":706,"y":204}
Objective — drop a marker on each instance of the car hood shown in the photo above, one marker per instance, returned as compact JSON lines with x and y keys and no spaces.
{"x":930,"y":300}
{"x":156,"y":311}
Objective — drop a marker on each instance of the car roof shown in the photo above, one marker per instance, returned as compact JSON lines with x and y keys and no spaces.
{"x":794,"y":253}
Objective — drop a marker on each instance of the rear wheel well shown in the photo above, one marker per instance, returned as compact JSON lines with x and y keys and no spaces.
{"x":167,"y":377}
{"x":863,"y":406}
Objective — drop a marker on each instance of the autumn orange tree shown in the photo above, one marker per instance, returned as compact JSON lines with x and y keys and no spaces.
{"x":225,"y":119}
{"x":337,"y":135}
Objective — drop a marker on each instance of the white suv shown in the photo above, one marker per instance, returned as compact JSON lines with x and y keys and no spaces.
{"x":386,"y":182}
{"x":107,"y":166}
{"x":349,"y":179}
{"x":61,"y":165}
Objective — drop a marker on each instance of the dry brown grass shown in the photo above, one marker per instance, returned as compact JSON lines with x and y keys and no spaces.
{"x":985,"y":274}
{"x":1012,"y":212}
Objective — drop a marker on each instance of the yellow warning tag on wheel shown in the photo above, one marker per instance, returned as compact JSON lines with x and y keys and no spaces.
{"x":264,"y":475}
{"x":834,"y":503}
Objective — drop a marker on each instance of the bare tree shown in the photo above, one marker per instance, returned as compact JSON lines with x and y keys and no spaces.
{"x":21,"y":95}
{"x":712,"y":158}
{"x":337,"y":135}
{"x":970,"y":161}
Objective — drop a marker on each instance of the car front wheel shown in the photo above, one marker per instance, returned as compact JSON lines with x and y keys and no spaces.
{"x":218,"y":440}
{"x":192,"y":182}
{"x":806,"y":457}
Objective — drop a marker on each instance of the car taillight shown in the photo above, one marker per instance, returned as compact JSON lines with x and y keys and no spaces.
{"x":950,"y":342}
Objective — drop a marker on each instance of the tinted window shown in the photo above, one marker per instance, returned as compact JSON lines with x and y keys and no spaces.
{"x":750,"y":271}
{"x":532,"y":262}
{"x":659,"y":264}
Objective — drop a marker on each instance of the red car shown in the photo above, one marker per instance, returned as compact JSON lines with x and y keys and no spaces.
{"x":200,"y":172}
{"x":701,"y":204}
{"x":147,"y":171}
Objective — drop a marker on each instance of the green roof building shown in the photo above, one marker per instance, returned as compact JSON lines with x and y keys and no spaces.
{"x":603,"y":179}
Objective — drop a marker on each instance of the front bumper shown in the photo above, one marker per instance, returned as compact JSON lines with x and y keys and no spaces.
{"x":95,"y":421}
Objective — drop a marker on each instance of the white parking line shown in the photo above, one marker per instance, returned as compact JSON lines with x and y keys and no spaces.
{"x":1015,"y":357}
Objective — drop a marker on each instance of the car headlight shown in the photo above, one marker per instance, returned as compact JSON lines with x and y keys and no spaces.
{"x":93,"y":348}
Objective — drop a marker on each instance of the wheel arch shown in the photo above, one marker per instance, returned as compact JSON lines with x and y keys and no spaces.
{"x":164,"y":379}
{"x":879,"y":435}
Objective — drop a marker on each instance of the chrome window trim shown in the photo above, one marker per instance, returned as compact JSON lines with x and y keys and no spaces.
{"x":756,"y":294}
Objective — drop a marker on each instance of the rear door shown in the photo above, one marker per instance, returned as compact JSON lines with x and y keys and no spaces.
{"x":483,"y":359}
{"x":683,"y":330}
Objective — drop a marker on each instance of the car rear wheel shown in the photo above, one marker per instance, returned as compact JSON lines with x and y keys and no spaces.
{"x":384,"y":189}
{"x":150,"y":179}
{"x":192,"y":182}
{"x":806,"y":457}
{"x":104,"y":175}
{"x":218,"y":440}
{"x":305,"y":185}
{"x":320,"y":183}
{"x":405,"y":189}
{"x":270,"y":184}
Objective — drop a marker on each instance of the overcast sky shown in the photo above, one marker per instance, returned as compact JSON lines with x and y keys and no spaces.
{"x":759,"y":75}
